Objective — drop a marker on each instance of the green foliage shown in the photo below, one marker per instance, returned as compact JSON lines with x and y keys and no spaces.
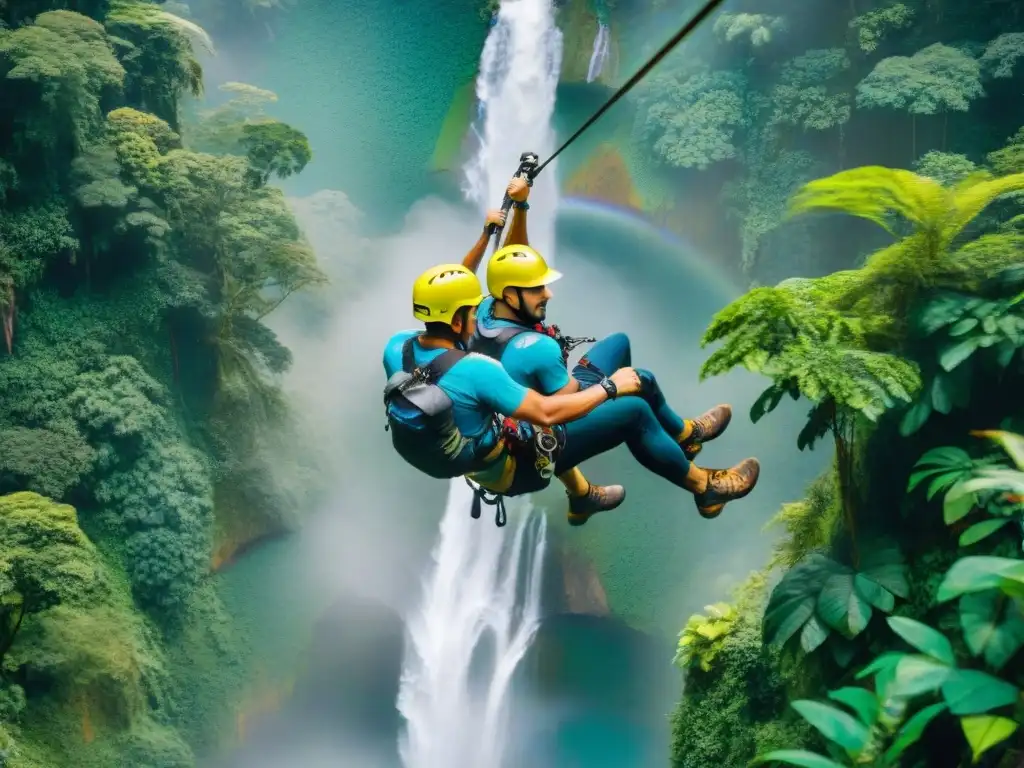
{"x":155,"y":48}
{"x":276,"y":149}
{"x":220,"y":130}
{"x":704,"y":636}
{"x":944,"y":167}
{"x":692,"y":116}
{"x":820,"y":595}
{"x":803,"y":99}
{"x":1002,"y":53}
{"x":59,"y":70}
{"x":759,"y":198}
{"x":975,"y":338}
{"x":931,"y":255}
{"x":137,"y":378}
{"x":738,"y":708}
{"x":810,"y":524}
{"x":935,"y":79}
{"x":808,"y":349}
{"x":873,"y":27}
{"x":757,"y":29}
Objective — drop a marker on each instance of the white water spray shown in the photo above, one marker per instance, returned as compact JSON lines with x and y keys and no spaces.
{"x":600,"y":54}
{"x":482,"y":601}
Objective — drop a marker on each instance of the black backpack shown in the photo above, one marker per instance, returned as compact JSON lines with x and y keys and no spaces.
{"x":421,"y":421}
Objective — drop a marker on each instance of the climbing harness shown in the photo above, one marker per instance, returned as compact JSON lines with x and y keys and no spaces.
{"x":525,"y":443}
{"x":528,"y":166}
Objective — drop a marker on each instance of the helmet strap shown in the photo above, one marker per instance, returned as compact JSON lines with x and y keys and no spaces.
{"x":519,"y":312}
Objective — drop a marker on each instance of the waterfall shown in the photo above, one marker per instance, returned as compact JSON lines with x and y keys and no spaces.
{"x":600,"y":54}
{"x":482,"y":598}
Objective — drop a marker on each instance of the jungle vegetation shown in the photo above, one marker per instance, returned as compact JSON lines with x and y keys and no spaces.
{"x":772,"y":97}
{"x":141,"y":415}
{"x":887,"y":628}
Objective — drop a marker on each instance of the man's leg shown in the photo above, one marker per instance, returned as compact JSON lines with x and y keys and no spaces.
{"x":631,"y":420}
{"x":613,"y":352}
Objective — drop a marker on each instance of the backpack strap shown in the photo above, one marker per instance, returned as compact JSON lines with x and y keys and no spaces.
{"x":437,"y":367}
{"x":443,"y":363}
{"x":408,"y":355}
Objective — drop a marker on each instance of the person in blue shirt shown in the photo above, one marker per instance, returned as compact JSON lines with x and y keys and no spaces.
{"x":445,"y":298}
{"x":511,"y":329}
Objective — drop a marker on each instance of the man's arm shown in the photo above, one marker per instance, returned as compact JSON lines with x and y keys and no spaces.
{"x":519,"y":191}
{"x":476,"y":253}
{"x":546,"y":411}
{"x":500,"y":392}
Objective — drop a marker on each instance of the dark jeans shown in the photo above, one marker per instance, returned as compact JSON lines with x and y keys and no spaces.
{"x":645,"y":423}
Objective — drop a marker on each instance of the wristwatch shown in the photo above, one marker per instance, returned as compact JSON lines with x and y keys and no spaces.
{"x":609,"y":386}
{"x":522,"y":205}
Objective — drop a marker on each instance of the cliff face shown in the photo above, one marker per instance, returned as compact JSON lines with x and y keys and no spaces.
{"x":582,"y":590}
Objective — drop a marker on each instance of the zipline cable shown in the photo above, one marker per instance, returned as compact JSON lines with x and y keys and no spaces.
{"x":677,"y":38}
{"x":528,"y":167}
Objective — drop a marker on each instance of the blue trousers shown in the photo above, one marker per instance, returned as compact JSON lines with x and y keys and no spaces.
{"x":645,"y":423}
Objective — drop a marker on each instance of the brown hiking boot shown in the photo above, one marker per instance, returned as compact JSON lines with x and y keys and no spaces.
{"x":600,"y":498}
{"x":725,"y":485}
{"x":705,"y":428}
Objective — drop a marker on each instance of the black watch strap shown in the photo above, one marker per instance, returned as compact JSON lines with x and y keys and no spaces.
{"x":609,"y":386}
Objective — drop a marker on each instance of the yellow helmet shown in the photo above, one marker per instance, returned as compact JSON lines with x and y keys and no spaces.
{"x":442,"y":291}
{"x":518,"y":266}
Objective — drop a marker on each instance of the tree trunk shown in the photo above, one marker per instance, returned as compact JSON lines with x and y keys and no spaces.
{"x":844,"y":472}
{"x":7,"y":318}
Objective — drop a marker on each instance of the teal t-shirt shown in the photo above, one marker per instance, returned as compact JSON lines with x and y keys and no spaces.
{"x":477,"y":385}
{"x":532,"y":359}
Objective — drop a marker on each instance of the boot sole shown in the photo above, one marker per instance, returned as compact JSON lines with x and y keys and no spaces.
{"x":710,"y":513}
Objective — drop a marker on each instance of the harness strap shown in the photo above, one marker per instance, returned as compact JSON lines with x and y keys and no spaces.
{"x":437,"y":367}
{"x":496,"y":500}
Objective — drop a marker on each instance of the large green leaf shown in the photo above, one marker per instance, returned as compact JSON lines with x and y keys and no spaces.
{"x":1005,"y":480}
{"x":924,"y":638}
{"x":918,"y":674}
{"x":958,"y":503}
{"x":912,"y":731}
{"x":794,"y":598}
{"x":981,"y":530}
{"x":813,"y":635}
{"x":974,"y":574}
{"x":883,"y":564}
{"x":841,"y":607}
{"x":878,"y":596}
{"x":834,"y":724}
{"x":916,"y":417}
{"x":993,"y":626}
{"x":1011,"y":442}
{"x":799,"y":757}
{"x":955,"y":352}
{"x":986,"y":731}
{"x":970,"y":692}
{"x":860,"y":700}
{"x":784,"y":620}
{"x":885,"y":662}
{"x":946,"y":464}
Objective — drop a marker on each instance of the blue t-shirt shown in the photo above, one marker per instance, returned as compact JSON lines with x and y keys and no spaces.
{"x":477,"y":385}
{"x":531,"y":359}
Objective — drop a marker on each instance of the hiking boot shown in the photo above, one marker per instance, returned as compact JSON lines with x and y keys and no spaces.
{"x":705,"y":428}
{"x":600,"y":498}
{"x":725,"y":485}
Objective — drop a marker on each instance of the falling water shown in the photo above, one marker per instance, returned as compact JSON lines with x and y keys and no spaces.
{"x":481,"y":602}
{"x":600,"y":54}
